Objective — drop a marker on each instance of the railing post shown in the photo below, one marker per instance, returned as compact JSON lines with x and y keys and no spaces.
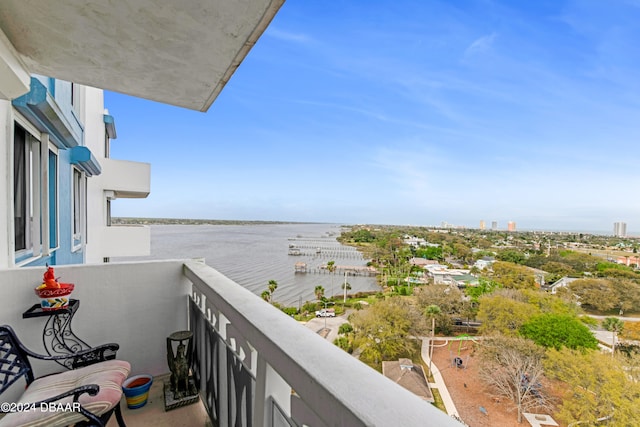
{"x":261,"y":413}
{"x":223,"y":378}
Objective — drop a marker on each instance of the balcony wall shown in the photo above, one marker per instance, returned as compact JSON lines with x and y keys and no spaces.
{"x":136,"y":305}
{"x":254,"y":365}
{"x":125,"y":178}
{"x":124,"y":241}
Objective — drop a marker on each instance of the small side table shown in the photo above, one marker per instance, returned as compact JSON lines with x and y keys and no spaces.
{"x":57,"y":336}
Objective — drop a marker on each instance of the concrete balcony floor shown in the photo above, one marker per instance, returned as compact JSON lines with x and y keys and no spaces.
{"x":153,"y":413}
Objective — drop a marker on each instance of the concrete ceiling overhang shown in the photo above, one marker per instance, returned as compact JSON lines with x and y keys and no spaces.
{"x":175,"y":52}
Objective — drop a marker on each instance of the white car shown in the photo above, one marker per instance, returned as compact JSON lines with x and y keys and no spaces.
{"x":326,"y":312}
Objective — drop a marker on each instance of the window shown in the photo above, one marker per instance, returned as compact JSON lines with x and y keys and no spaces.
{"x":107,"y":145}
{"x":27,"y":223}
{"x":76,"y":99}
{"x":79,"y":210}
{"x":20,"y":184}
{"x":53,"y":200}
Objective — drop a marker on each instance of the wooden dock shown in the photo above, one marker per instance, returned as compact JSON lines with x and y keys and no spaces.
{"x":350,"y":270}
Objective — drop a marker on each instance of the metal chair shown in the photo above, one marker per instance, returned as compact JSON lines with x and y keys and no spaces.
{"x":86,"y":395}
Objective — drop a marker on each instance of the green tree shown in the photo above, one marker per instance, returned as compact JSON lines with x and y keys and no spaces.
{"x":628,"y":293}
{"x":483,"y":287}
{"x":631,"y":331}
{"x":598,"y":388}
{"x":431,"y":312}
{"x":331,"y":267}
{"x":557,"y":331}
{"x":430,"y":252}
{"x":319,"y":291}
{"x":614,"y":325}
{"x":558,"y":268}
{"x":450,"y":300}
{"x":271,"y":288}
{"x":502,"y":314}
{"x":273,"y":285}
{"x":598,"y":294}
{"x":346,"y":286}
{"x":345,"y":328}
{"x":382,"y":332}
{"x":550,"y":303}
{"x":462,"y":252}
{"x":513,"y":276}
{"x":511,"y":255}
{"x":362,"y":236}
{"x":343,"y":343}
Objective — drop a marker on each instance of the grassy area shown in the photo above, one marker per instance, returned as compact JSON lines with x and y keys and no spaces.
{"x":437,"y":400}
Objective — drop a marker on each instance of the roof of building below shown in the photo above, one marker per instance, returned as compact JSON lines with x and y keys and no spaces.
{"x":409,"y":376}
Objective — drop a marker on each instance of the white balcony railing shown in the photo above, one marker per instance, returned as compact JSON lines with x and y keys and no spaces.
{"x":255,"y":365}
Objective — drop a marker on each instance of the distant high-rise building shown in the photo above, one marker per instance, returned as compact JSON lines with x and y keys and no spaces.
{"x":482,"y":224}
{"x":511,"y":226}
{"x":494,"y":225}
{"x":620,"y":229}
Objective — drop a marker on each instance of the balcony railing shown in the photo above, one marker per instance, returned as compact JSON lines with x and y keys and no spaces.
{"x":255,"y":366}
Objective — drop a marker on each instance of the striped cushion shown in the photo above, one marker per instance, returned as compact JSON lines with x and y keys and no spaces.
{"x":108,"y":375}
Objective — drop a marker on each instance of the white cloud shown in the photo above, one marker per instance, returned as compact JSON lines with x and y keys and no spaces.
{"x":288,"y":36}
{"x":480,"y":45}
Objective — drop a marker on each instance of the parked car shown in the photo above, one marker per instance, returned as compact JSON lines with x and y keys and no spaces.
{"x":326,"y":312}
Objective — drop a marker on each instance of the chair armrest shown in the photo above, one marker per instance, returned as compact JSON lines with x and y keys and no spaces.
{"x":94,"y":355}
{"x":90,"y":389}
{"x":82,"y":357}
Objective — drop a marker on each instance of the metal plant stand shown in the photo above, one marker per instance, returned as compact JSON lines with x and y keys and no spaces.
{"x":180,"y":390}
{"x":57,"y":336}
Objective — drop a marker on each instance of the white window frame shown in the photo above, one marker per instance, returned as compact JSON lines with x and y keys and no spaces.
{"x":78,"y":209}
{"x":33,"y":165}
{"x":53,"y":246}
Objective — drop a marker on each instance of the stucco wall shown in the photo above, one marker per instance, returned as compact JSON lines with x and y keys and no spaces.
{"x":136,"y":305}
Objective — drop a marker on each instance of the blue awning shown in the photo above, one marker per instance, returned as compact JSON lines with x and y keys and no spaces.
{"x":110,"y":125}
{"x":82,"y":157}
{"x":41,"y":109}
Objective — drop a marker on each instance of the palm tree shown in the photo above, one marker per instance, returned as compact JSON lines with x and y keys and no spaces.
{"x":319,"y":291}
{"x":431,"y":312}
{"x":331,"y":266}
{"x":615,"y":325}
{"x":273,"y":285}
{"x":267,"y":295}
{"x":346,"y":286}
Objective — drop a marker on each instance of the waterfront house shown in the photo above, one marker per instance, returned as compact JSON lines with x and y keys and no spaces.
{"x":253,"y":365}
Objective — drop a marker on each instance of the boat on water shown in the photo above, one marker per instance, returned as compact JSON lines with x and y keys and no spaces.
{"x":294,"y":251}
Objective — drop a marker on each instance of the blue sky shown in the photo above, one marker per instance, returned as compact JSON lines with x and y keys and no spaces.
{"x":409,"y":112}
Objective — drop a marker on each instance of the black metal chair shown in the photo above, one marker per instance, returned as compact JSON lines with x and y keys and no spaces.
{"x":87,"y":395}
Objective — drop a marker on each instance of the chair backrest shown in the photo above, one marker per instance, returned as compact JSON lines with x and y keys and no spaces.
{"x":14,"y":362}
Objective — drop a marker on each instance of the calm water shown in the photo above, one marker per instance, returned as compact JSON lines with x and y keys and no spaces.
{"x":251,"y":255}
